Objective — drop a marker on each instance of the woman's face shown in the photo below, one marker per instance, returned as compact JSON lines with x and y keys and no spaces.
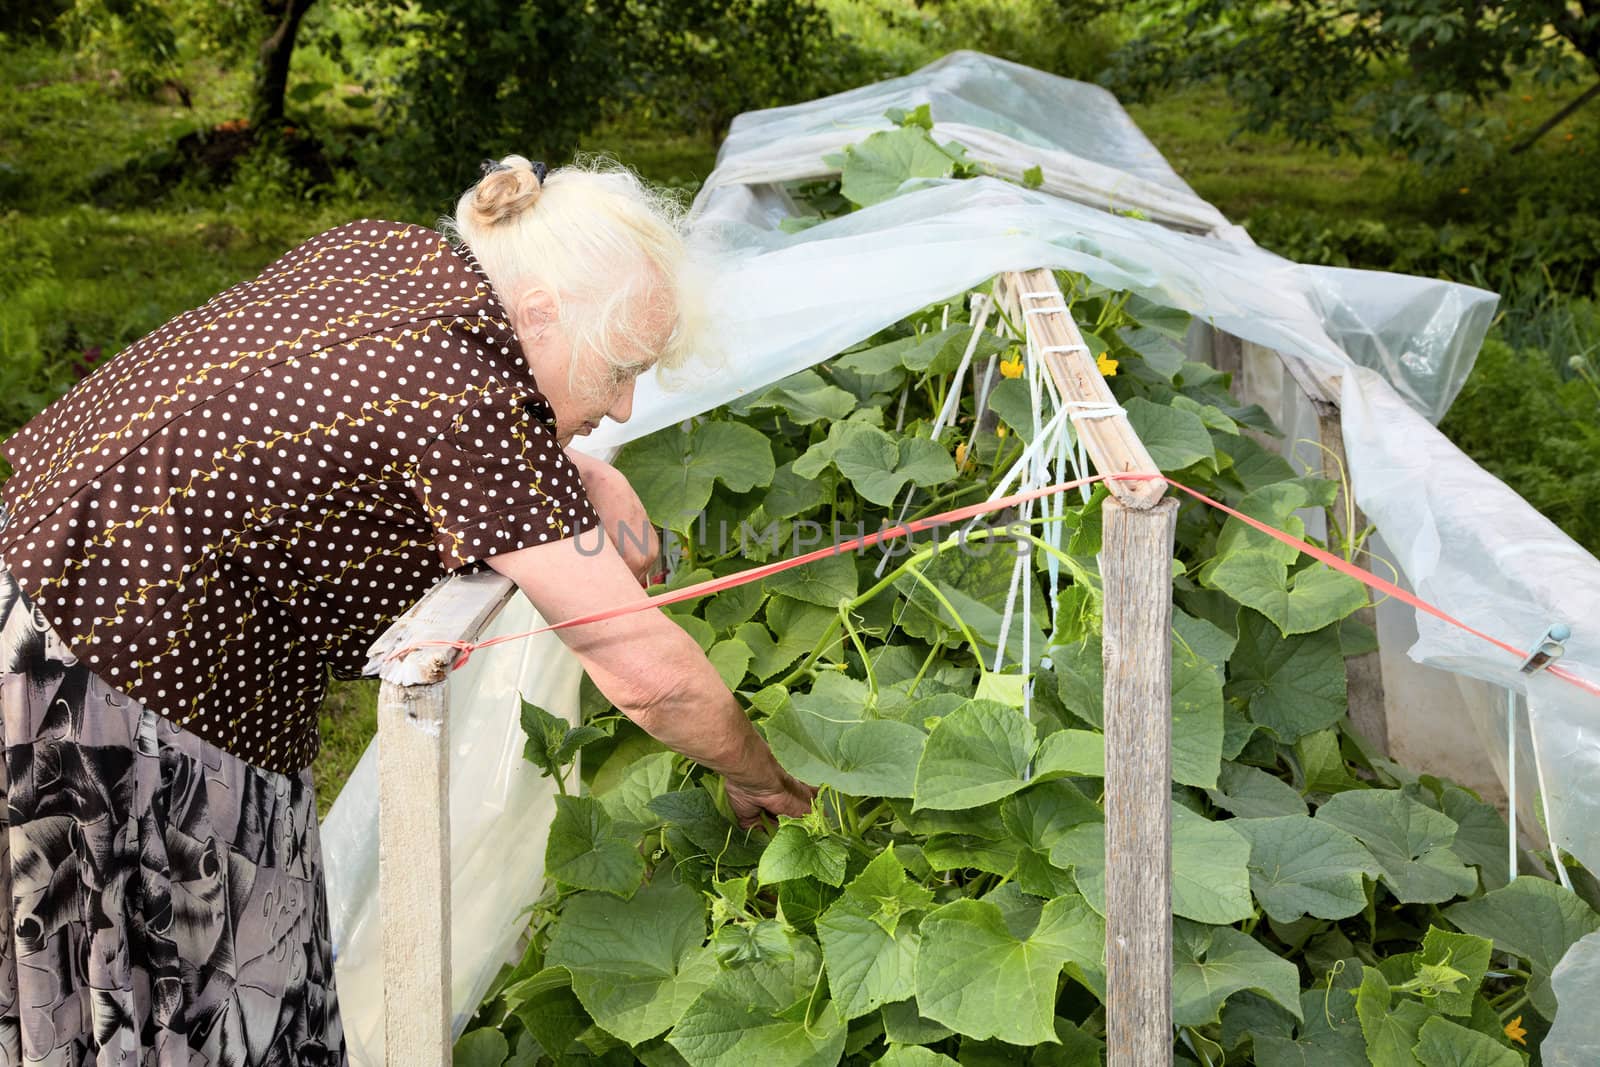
{"x":581,"y":386}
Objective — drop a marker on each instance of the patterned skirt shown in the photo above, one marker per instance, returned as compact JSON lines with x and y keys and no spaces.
{"x":167,"y":898}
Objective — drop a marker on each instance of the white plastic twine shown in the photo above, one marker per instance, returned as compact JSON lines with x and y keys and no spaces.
{"x":981,"y":306}
{"x":1511,"y":781}
{"x":1544,"y":800}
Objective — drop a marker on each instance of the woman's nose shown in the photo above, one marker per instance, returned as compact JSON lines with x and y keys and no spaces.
{"x":622,"y":409}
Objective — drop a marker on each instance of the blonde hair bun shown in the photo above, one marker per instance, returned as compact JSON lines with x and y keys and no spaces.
{"x":608,"y":248}
{"x":510,"y":187}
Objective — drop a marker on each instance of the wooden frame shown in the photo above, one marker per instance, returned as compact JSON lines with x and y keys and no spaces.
{"x":1136,"y":569}
{"x":414,"y":810}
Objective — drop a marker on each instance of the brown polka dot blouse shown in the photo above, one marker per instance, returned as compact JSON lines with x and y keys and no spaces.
{"x":247,"y":497}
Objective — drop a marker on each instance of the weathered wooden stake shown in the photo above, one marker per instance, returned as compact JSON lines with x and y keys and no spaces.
{"x":414,"y":871}
{"x":1136,"y":566}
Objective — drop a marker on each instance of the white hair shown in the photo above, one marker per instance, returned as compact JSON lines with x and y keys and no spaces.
{"x":608,"y":249}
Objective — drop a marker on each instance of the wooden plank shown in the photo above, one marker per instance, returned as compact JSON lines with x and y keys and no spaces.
{"x":414,"y":871}
{"x":1110,"y":442}
{"x":457,"y":609}
{"x":1364,"y":673}
{"x":1227,"y":356}
{"x":1137,"y":572}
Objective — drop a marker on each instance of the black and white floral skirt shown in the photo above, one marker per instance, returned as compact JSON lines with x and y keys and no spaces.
{"x":167,"y":904}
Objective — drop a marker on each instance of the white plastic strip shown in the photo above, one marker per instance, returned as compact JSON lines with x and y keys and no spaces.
{"x":981,"y":306}
{"x":1511,"y":781}
{"x":1544,"y":799}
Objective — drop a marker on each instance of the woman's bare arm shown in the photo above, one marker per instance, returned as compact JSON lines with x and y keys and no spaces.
{"x":653,"y":671}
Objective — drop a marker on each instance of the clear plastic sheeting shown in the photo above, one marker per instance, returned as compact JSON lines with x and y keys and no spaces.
{"x":1469,"y":544}
{"x":1574,"y":1040}
{"x":1402,"y":347}
{"x":1039,"y":110}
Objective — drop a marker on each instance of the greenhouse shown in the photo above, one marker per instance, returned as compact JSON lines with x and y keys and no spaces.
{"x":1274,"y":774}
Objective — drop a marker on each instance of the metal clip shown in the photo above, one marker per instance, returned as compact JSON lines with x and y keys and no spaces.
{"x":1549,"y":649}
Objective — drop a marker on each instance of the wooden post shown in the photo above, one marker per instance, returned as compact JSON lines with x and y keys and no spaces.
{"x":1136,"y":566}
{"x":414,"y":810}
{"x":414,"y":870}
{"x":1136,"y":572}
{"x":1364,"y":673}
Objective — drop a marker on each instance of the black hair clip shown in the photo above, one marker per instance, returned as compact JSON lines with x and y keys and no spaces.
{"x":489,"y":166}
{"x":539,"y":171}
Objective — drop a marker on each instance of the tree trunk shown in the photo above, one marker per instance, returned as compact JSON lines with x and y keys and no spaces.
{"x":272,"y":64}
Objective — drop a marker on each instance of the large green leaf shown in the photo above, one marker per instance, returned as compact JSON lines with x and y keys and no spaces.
{"x":1210,"y":964}
{"x":1463,"y":953}
{"x":1442,"y":1043}
{"x":763,"y":1013}
{"x":692,"y":814}
{"x":976,"y":754}
{"x":483,"y":1047}
{"x":548,"y":1009}
{"x":804,"y":397}
{"x":874,"y":169}
{"x":1297,"y":603}
{"x":1481,"y":834}
{"x":1251,"y":793}
{"x":1329,"y":1037}
{"x":1410,"y":841}
{"x":903,"y":1024}
{"x":913,"y":1056}
{"x":731,"y":658}
{"x":1197,"y":723}
{"x":794,"y":852}
{"x":1210,"y":877}
{"x":673,"y":472}
{"x":799,"y":627}
{"x":870,"y":938}
{"x":1293,"y":685}
{"x":828,"y":741}
{"x":636,"y":964}
{"x":1390,"y":1029}
{"x":1534,"y":919}
{"x":585,"y":850}
{"x":981,"y":978}
{"x":1301,"y":866}
{"x":1274,"y":505}
{"x":878,"y":465}
{"x":1175,"y":438}
{"x":824,"y":582}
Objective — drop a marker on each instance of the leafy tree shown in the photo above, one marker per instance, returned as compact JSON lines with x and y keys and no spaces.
{"x":483,"y":78}
{"x":1410,"y":73}
{"x":142,"y":37}
{"x":701,"y":62}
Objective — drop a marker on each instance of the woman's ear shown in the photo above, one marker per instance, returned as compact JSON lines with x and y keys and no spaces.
{"x":533,"y":311}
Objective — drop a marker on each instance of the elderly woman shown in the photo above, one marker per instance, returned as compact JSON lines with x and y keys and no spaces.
{"x":239,"y":504}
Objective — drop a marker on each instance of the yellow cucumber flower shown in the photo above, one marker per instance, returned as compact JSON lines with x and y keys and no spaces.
{"x":1107,"y":365}
{"x":1011,"y":368}
{"x":1516,"y":1032}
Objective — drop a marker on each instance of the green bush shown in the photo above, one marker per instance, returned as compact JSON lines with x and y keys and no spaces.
{"x":1538,"y":434}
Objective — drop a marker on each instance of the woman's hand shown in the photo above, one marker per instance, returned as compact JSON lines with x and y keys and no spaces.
{"x":779,"y":794}
{"x":622,"y":514}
